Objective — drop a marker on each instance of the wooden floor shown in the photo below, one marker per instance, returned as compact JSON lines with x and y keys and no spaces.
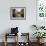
{"x":13,"y":44}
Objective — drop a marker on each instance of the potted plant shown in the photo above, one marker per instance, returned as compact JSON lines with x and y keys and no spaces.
{"x":39,"y":35}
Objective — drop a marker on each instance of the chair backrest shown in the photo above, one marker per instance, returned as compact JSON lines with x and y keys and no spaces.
{"x":14,"y":30}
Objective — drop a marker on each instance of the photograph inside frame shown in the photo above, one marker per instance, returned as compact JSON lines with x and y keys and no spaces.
{"x":17,"y":12}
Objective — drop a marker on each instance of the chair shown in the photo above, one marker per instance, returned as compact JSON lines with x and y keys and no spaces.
{"x":14,"y":32}
{"x":7,"y":35}
{"x":26,"y":41}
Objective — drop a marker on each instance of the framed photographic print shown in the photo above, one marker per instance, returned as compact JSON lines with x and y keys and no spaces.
{"x":41,"y":8}
{"x":18,"y":13}
{"x":41,"y":12}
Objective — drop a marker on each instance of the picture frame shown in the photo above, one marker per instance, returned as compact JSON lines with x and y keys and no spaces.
{"x":18,"y":13}
{"x":41,"y":9}
{"x":41,"y":12}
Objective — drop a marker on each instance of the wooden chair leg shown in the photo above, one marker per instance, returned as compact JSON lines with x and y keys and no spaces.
{"x":5,"y":43}
{"x":5,"y":39}
{"x":17,"y":39}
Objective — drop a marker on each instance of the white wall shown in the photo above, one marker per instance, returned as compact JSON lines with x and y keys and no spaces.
{"x":24,"y":25}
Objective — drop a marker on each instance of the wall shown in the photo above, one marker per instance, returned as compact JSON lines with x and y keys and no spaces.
{"x":24,"y":25}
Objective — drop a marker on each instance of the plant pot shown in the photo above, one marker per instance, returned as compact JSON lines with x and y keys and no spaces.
{"x":40,"y":41}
